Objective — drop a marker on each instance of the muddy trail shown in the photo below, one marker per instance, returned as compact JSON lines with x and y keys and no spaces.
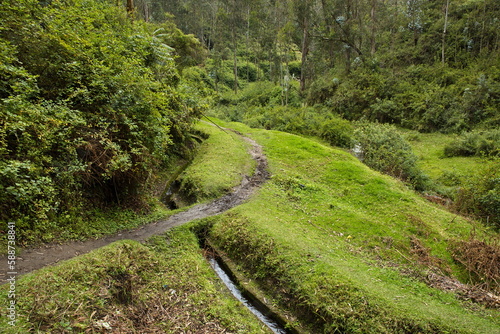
{"x":32,"y":259}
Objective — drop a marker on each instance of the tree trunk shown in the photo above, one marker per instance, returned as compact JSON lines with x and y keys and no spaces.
{"x":130,"y":8}
{"x":328,"y":19}
{"x":235,"y":69}
{"x":444,"y":31}
{"x":305,"y":51}
{"x":373,"y":27}
{"x":235,"y":47}
{"x":146,"y":12}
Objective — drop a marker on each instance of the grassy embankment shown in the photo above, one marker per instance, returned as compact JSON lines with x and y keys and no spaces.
{"x":448,"y":171}
{"x":347,"y":248}
{"x":126,"y":287}
{"x":220,"y":165}
{"x":164,"y":285}
{"x":218,"y":175}
{"x":342,"y":247}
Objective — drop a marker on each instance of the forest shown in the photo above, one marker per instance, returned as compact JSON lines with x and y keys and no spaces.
{"x":429,"y":66}
{"x":372,"y":128}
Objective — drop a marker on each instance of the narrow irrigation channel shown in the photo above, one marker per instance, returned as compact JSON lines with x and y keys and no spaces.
{"x":262,"y":314}
{"x":275,"y":323}
{"x":272,"y":320}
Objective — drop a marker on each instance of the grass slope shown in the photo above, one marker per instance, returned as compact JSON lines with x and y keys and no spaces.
{"x":346,"y":247}
{"x":450,"y":171}
{"x":339,"y":246}
{"x":220,"y":164}
{"x":126,"y":287}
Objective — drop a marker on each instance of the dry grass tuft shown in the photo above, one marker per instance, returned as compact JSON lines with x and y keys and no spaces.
{"x":482,"y":261}
{"x":424,"y":256}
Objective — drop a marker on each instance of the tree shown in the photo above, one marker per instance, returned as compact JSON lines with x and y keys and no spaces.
{"x":303,"y":11}
{"x":444,"y":31}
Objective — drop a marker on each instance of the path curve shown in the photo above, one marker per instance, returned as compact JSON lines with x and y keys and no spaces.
{"x":37,"y":258}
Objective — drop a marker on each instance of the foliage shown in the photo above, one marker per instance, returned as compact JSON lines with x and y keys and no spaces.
{"x":197,"y":88}
{"x":421,"y":97}
{"x":480,"y":196}
{"x":479,"y":143}
{"x":385,"y":150}
{"x":338,"y":132}
{"x":187,"y":49}
{"x":89,"y":105}
{"x":422,"y":65}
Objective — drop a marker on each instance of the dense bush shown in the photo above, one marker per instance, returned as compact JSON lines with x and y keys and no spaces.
{"x":338,"y":132}
{"x":479,"y":143}
{"x":249,"y":72}
{"x":89,"y":106}
{"x":421,"y":97}
{"x":197,"y":88}
{"x":481,"y":195}
{"x":384,"y":149}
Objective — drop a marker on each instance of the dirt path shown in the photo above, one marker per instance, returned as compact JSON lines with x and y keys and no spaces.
{"x":33,"y":259}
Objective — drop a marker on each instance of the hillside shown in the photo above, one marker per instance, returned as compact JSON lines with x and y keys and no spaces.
{"x":333,"y":245}
{"x":341,"y":157}
{"x":347,"y":248}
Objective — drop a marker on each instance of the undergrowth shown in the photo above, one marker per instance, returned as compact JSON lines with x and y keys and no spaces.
{"x":480,"y":143}
{"x":482,"y":260}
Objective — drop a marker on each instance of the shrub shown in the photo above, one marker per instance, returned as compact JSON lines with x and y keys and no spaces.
{"x":385,"y":150}
{"x":480,"y":143}
{"x":249,"y":72}
{"x":481,"y":196}
{"x":338,"y":132}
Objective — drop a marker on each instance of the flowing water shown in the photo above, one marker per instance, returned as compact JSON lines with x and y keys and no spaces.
{"x":273,"y":325}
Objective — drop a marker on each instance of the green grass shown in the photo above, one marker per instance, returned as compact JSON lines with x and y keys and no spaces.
{"x":326,"y":239}
{"x":332,"y":240}
{"x":220,"y":164}
{"x":165,"y":285}
{"x":450,"y":171}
